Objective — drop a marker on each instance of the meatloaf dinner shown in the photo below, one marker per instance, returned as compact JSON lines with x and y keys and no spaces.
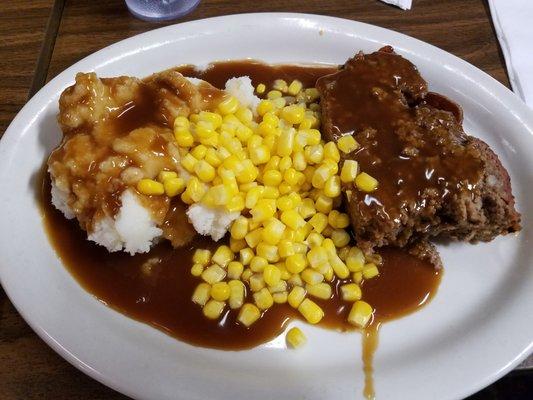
{"x":220,"y":203}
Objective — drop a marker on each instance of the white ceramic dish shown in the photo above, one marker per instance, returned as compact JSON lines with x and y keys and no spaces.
{"x":477,"y":328}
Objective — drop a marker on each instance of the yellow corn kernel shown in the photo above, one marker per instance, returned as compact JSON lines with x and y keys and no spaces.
{"x":332,"y":152}
{"x":329,"y":246}
{"x":235,"y":269}
{"x":244,"y":115}
{"x":181,"y":122}
{"x":260,"y":89}
{"x":318,"y":258}
{"x":324,"y":204}
{"x":212,"y":118}
{"x":320,"y":290}
{"x":183,"y":137}
{"x":329,"y":274}
{"x":248,"y":173}
{"x":257,"y":282}
{"x":341,"y":221}
{"x":296,"y":296}
{"x":199,"y":152}
{"x":201,"y":294}
{"x":197,"y":269}
{"x":295,"y":338}
{"x":307,"y":208}
{"x":271,"y":275}
{"x":314,"y":239}
{"x":239,"y":228}
{"x":246,"y":275}
{"x":164,"y":175}
{"x":195,"y":189}
{"x":360,"y":314}
{"x":351,"y":292}
{"x":284,"y":203}
{"x":263,"y":299}
{"x":311,"y":311}
{"x":349,"y":171}
{"x":365,"y":182}
{"x":213,"y":274}
{"x":281,"y":286}
{"x":292,"y":219}
{"x":293,"y":114}
{"x":253,"y":195}
{"x":321,"y":176}
{"x":259,"y":154}
{"x":186,"y":198}
{"x":223,"y":255}
{"x":270,"y":192}
{"x":253,"y":237}
{"x":150,"y":187}
{"x":248,"y":314}
{"x":265,"y":129}
{"x":332,"y":187}
{"x":236,"y":203}
{"x":314,"y":154}
{"x":343,"y":253}
{"x":268,"y":251}
{"x":340,"y":237}
{"x":285,"y":163}
{"x":370,"y":270}
{"x":274,"y":94}
{"x":243,"y":133}
{"x":204,"y":171}
{"x":228,"y":106}
{"x":296,"y":263}
{"x":285,"y":248}
{"x":347,"y":144}
{"x":339,"y":267}
{"x":280,"y":297}
{"x":236,"y":245}
{"x":236,"y":294}
{"x":263,"y":210}
{"x":357,"y":277}
{"x":272,"y":177}
{"x":220,"y":291}
{"x":281,"y":85}
{"x":213,"y":309}
{"x":295,"y":87}
{"x":245,"y":256}
{"x":311,"y":276}
{"x":258,"y":264}
{"x":299,"y":248}
{"x":298,"y":161}
{"x":355,"y":261}
{"x":201,"y":256}
{"x":173,"y":186}
{"x":273,"y":231}
{"x":292,"y":177}
{"x":295,"y":280}
{"x":319,"y":221}
{"x":286,"y":143}
{"x":254,"y":141}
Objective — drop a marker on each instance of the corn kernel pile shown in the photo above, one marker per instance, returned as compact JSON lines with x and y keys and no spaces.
{"x":289,"y":242}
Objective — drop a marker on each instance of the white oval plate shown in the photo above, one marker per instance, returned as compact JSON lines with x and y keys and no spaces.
{"x":477,"y":328}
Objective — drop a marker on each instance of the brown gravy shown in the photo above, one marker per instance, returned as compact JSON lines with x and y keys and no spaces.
{"x":416,"y":152}
{"x":156,"y":288}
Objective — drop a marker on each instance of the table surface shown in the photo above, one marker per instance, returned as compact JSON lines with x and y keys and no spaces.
{"x":40,"y":38}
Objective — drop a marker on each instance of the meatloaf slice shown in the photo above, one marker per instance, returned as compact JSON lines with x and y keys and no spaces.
{"x":433,"y":178}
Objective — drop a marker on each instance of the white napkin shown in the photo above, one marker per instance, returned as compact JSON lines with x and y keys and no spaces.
{"x":403,"y":4}
{"x":513,"y":20}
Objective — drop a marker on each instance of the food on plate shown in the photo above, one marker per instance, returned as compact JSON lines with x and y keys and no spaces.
{"x":221,"y":203}
{"x":431,"y":178}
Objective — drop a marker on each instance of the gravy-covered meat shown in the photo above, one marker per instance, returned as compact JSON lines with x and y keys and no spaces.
{"x":433,"y":179}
